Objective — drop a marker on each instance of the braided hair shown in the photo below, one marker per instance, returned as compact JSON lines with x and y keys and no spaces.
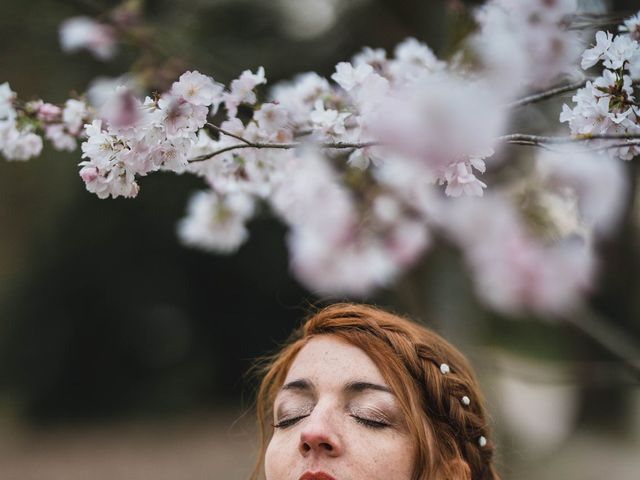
{"x":434,"y":383}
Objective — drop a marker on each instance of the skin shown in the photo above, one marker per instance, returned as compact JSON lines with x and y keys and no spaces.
{"x":336,"y":414}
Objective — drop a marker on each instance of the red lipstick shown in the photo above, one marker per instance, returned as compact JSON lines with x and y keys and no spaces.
{"x":316,"y":476}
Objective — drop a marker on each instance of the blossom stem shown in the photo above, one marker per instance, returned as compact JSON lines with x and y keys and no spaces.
{"x":525,"y":139}
{"x":282,"y":146}
{"x":514,"y":139}
{"x":538,"y":97}
{"x":229,"y":134}
{"x":615,"y":342}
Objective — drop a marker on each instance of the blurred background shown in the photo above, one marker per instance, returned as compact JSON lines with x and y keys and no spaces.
{"x":125,"y":355}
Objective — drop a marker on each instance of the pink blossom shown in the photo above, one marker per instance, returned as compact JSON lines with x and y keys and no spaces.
{"x":198,"y":89}
{"x":78,"y":33}
{"x":216,"y":223}
{"x":49,"y":113}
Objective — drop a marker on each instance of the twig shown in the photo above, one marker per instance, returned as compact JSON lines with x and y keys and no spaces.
{"x":593,"y":20}
{"x":229,"y":134}
{"x":614,"y":341}
{"x":538,"y":97}
{"x":526,"y":139}
{"x":514,"y":139}
{"x":282,"y":146}
{"x":564,"y":372}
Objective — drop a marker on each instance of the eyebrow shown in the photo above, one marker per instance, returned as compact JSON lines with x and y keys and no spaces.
{"x":356,"y":386}
{"x":302,"y":384}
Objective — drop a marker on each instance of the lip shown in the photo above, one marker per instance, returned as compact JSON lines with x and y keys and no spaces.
{"x":316,"y":476}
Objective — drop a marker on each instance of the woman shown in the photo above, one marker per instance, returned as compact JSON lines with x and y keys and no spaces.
{"x":362,"y":394}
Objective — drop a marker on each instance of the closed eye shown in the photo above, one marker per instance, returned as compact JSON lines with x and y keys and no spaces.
{"x":288,"y":422}
{"x":367,"y":422}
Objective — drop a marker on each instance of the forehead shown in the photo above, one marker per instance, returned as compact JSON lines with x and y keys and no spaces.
{"x":328,"y":359}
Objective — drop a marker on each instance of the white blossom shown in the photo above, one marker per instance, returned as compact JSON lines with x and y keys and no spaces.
{"x":107,"y":180}
{"x":328,"y":122}
{"x":242,"y":90}
{"x":18,"y":145}
{"x":513,"y":272}
{"x":7,"y":97}
{"x":593,"y":55}
{"x":198,"y":89}
{"x":631,"y":27}
{"x":181,"y":118}
{"x":60,"y":138}
{"x":272,"y":118}
{"x":85,"y":33}
{"x":622,"y":50}
{"x":460,"y":179}
{"x":216,"y":223}
{"x":375,"y":57}
{"x":441,"y":120}
{"x":526,"y":41}
{"x":413,"y":59}
{"x":348,"y":77}
{"x":299,"y":96}
{"x":597,"y":182}
{"x":74,"y":114}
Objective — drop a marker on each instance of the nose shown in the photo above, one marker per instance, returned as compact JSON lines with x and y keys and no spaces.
{"x":319,"y":435}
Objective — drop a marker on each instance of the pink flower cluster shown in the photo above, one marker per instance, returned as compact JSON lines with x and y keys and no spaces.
{"x":607,"y":105}
{"x":364,"y":168}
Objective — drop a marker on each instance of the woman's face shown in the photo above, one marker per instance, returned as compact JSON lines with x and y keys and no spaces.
{"x":336,"y":418}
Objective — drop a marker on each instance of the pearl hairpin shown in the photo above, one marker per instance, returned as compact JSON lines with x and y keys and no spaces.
{"x":466,"y":401}
{"x":444,"y":368}
{"x":482,"y":441}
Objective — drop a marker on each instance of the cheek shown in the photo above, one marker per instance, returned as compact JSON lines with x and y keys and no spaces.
{"x":381,"y":457}
{"x":277,"y":456}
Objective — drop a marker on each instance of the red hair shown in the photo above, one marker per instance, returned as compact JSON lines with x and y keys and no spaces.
{"x":433,"y":382}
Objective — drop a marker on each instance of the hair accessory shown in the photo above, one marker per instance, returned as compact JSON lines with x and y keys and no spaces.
{"x":465,"y":400}
{"x":482,"y":441}
{"x":444,"y":368}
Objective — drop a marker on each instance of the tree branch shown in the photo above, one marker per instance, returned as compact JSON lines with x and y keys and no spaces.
{"x":514,"y":139}
{"x":526,"y":139}
{"x":538,"y":97}
{"x":614,"y":341}
{"x":283,"y":146}
{"x":227,"y":133}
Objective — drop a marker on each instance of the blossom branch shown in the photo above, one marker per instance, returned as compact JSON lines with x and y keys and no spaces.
{"x":227,"y":133}
{"x":541,"y":140}
{"x":594,"y":20}
{"x":615,"y":342}
{"x":514,"y":138}
{"x":280,"y":146}
{"x":538,"y":97}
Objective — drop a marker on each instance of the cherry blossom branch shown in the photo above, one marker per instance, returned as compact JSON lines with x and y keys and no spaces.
{"x":614,"y":341}
{"x":538,"y":97}
{"x":594,"y":372}
{"x":229,"y":134}
{"x":280,"y":146}
{"x":594,"y":20}
{"x":545,"y":95}
{"x":540,"y":140}
{"x":514,"y":139}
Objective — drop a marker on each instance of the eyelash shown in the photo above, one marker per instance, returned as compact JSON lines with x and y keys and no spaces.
{"x":367,"y":422}
{"x":289,"y":422}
